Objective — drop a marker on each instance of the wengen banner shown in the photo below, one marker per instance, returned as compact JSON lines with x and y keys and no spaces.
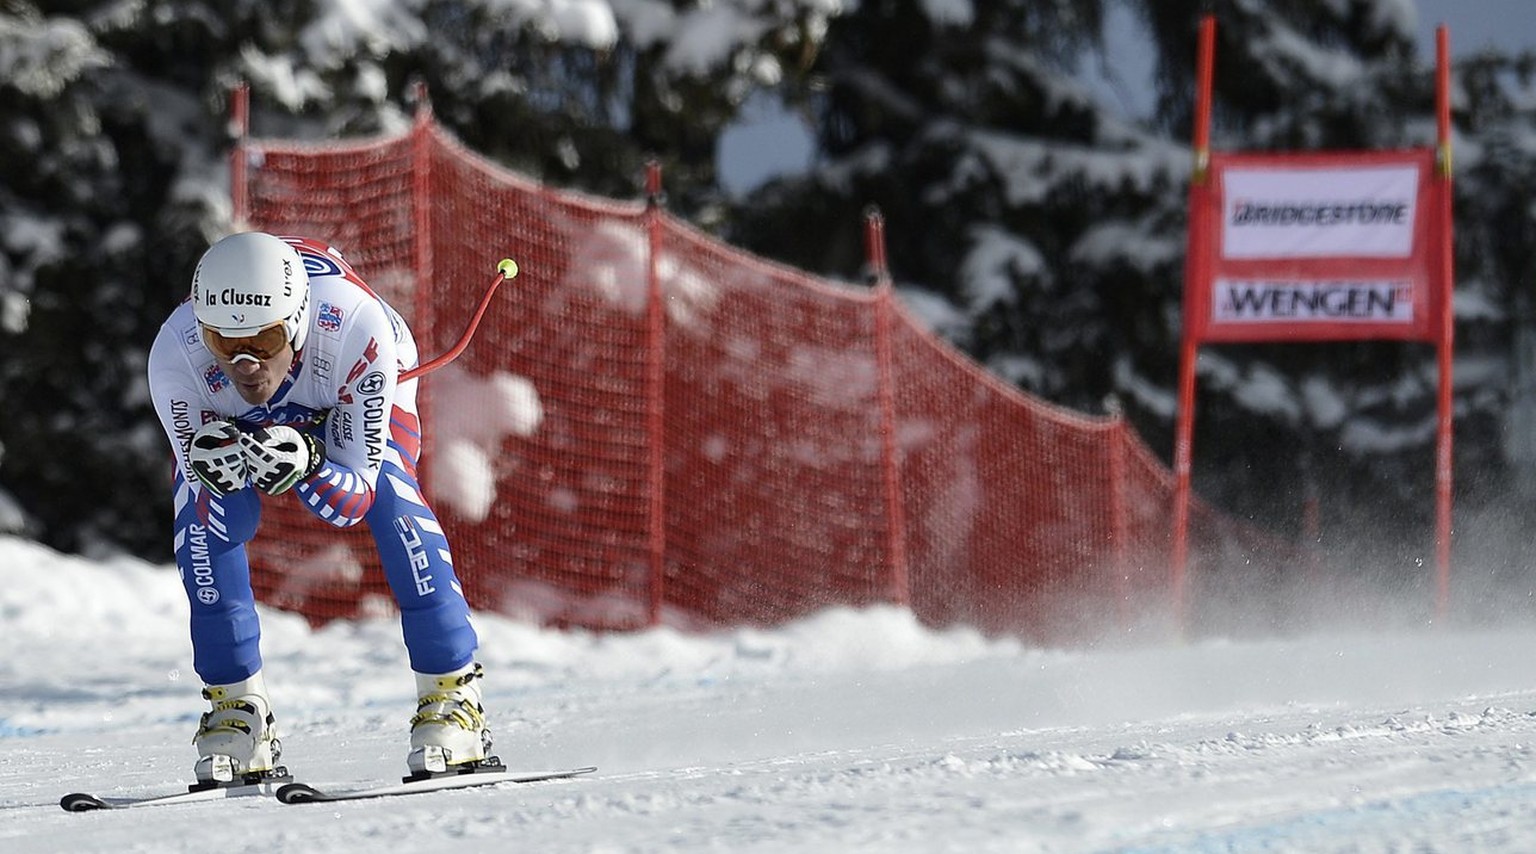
{"x":1316,"y":247}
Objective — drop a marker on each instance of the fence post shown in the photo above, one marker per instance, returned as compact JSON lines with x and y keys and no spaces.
{"x":656,"y":329}
{"x":239,"y":129}
{"x":1119,"y":530}
{"x":423,"y":323}
{"x":421,"y":217}
{"x":884,"y":305}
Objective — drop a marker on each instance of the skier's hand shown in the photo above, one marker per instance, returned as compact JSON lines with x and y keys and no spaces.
{"x":216,"y":458}
{"x":279,"y":457}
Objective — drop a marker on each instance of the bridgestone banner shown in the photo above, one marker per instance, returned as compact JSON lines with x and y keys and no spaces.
{"x":1307,"y":247}
{"x":1319,"y":213}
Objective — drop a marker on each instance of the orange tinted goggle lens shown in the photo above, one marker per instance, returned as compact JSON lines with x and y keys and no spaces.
{"x":264,"y":345}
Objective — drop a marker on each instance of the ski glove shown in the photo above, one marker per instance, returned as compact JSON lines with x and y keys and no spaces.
{"x":216,"y":459}
{"x":279,"y":457}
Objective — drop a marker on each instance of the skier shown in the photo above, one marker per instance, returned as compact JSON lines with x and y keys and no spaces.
{"x":281,"y":374}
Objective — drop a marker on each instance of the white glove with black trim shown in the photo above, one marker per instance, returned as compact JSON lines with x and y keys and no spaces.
{"x":217,"y":459}
{"x":278,"y":457}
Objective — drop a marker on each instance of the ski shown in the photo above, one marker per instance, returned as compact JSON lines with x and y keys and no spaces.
{"x":488,"y":775}
{"x":86,"y":802}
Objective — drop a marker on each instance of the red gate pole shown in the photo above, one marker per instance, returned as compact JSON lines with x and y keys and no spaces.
{"x":1183,"y":438}
{"x":895,"y":514}
{"x":1447,"y":277}
{"x":656,"y":320}
{"x":1183,"y":445}
{"x":239,"y":131}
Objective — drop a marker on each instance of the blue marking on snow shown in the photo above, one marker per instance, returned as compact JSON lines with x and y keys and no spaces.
{"x":1395,"y":818}
{"x":9,"y":730}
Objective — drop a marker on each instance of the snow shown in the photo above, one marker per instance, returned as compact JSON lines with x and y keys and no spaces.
{"x":996,"y":256}
{"x":958,"y":13}
{"x":706,"y":38}
{"x":473,"y":415}
{"x":1131,"y":244}
{"x":41,"y":58}
{"x":1021,"y":162}
{"x":847,"y":731}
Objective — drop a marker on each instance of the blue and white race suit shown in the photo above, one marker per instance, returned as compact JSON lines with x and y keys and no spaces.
{"x":344,"y":389}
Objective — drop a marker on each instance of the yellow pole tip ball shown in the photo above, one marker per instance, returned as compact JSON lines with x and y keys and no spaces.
{"x":508,"y":268}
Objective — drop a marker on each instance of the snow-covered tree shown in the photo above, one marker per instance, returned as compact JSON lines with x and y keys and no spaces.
{"x":967,"y":124}
{"x":91,"y":186}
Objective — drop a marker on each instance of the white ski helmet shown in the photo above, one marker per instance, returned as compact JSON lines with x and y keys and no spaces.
{"x":249,"y":281}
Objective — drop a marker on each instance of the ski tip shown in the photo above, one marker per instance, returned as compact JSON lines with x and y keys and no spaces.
{"x":541,"y":776}
{"x":297,"y":793}
{"x":81,"y":802}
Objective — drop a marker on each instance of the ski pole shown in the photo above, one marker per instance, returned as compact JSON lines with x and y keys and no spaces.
{"x":505,"y":270}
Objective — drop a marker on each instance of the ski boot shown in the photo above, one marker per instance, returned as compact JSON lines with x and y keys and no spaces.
{"x":237,"y":740}
{"x":448,"y":732}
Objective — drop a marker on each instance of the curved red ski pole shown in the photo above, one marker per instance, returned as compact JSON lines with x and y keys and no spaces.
{"x":507,"y":269}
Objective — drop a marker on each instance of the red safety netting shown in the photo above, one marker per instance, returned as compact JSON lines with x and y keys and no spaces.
{"x":663,"y":428}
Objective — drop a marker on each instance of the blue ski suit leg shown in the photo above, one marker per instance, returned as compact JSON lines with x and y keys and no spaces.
{"x":434,"y":618}
{"x":210,"y":539}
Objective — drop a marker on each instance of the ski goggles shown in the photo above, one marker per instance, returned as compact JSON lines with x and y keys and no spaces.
{"x":267,"y":343}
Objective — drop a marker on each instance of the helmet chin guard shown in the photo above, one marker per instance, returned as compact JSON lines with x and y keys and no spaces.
{"x":252,"y":280}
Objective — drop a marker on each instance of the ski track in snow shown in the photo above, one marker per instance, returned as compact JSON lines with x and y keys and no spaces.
{"x":849,"y":731}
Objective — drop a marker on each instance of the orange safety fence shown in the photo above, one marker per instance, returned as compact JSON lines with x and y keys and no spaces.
{"x":652,"y":426}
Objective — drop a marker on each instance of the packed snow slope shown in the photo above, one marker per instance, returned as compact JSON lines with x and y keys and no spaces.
{"x":849,"y":731}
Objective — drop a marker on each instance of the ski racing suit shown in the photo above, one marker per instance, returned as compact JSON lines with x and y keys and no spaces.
{"x":344,"y":389}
